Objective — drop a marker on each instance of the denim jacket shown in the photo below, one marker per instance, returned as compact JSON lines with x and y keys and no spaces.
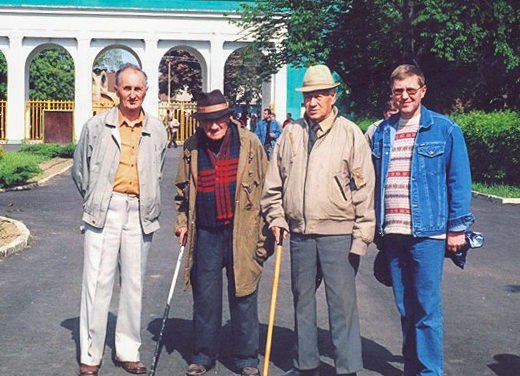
{"x":440,"y":179}
{"x":261,"y":131}
{"x":96,"y":159}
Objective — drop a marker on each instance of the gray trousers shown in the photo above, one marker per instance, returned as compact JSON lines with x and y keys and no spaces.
{"x":120,"y":243}
{"x":330,"y":253}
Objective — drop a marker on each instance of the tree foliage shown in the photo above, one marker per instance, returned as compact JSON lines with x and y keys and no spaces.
{"x":111,"y":59}
{"x":243,"y":77}
{"x":3,"y":77}
{"x":185,"y":71}
{"x":51,"y":75}
{"x":468,"y":49}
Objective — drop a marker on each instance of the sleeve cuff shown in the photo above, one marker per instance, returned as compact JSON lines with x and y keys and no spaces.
{"x":279,"y":222}
{"x":461,"y":223}
{"x":358,"y":247}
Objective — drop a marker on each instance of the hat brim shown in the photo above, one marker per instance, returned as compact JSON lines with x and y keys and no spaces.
{"x":212,"y":115}
{"x":308,"y":89}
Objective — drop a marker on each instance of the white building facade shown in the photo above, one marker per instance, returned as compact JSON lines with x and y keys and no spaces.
{"x":148,"y":34}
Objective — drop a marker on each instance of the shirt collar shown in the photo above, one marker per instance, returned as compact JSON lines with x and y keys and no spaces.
{"x":326,"y":124}
{"x":122,"y":120}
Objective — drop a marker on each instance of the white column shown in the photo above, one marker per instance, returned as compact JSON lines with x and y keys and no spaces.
{"x":267,"y":95}
{"x":15,"y":90}
{"x":280,"y":93}
{"x":216,"y":65}
{"x":83,"y":85}
{"x":150,"y":61}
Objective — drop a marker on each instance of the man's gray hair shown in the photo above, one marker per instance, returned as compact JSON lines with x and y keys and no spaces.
{"x":133,"y":67}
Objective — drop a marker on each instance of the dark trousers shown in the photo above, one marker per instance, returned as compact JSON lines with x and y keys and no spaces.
{"x":213,"y":252}
{"x":309,"y":253}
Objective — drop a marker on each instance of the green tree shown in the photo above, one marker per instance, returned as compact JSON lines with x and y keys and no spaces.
{"x":3,"y":77}
{"x":243,"y":77}
{"x":110,"y":59}
{"x":185,"y":71}
{"x":51,"y":75}
{"x":469,"y":49}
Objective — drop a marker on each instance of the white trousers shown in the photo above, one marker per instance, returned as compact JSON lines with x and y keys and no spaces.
{"x":121,"y":242}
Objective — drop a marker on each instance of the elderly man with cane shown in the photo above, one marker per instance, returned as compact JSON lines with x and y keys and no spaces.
{"x":319,"y":187}
{"x":219,"y":183}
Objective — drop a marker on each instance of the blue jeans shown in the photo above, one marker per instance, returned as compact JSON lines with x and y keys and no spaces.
{"x":330,"y":253}
{"x":214,"y":251}
{"x":416,"y":268}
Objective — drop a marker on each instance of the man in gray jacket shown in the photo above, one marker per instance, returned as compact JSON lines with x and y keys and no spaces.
{"x":117,"y":169}
{"x":319,"y":187}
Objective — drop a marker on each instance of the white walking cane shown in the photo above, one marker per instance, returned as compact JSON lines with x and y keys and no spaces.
{"x":165,"y":315}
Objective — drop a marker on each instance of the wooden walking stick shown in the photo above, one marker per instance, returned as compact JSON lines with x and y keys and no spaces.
{"x":272,"y":309}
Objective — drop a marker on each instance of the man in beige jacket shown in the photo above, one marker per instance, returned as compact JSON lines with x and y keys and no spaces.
{"x":319,"y":187}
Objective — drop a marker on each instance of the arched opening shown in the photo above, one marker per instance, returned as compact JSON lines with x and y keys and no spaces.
{"x":180,"y":82}
{"x":3,"y":97}
{"x":50,"y":108}
{"x":243,"y":83}
{"x":106,"y":64}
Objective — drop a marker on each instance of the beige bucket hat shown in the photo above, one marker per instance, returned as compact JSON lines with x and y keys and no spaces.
{"x":317,"y":77}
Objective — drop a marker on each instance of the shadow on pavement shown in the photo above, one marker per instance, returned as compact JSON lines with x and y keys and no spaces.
{"x":73,"y":325}
{"x":178,"y":337}
{"x":505,"y":365}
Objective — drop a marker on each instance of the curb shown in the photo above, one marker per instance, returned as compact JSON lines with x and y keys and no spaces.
{"x":21,"y":242}
{"x":67,"y":165}
{"x":497,"y":199}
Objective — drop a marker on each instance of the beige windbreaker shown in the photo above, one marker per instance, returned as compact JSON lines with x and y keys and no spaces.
{"x":249,"y":228}
{"x":328,"y":191}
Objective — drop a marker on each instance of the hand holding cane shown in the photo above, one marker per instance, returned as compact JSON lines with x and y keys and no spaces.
{"x":165,"y":315}
{"x":274,"y":294}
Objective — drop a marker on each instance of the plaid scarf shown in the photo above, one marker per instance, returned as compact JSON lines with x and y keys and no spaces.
{"x":217,"y":177}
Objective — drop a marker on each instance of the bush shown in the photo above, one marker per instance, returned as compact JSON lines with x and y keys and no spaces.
{"x":50,"y":150}
{"x":2,"y":153}
{"x":17,"y":168}
{"x":493,"y":145}
{"x":365,"y":123}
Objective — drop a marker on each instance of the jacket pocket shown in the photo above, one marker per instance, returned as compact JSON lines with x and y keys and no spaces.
{"x":343,"y":184}
{"x":431,"y":157}
{"x":249,"y":189}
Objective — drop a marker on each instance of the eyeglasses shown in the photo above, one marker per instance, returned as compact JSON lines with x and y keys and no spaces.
{"x":210,"y":122}
{"x":409,"y":91}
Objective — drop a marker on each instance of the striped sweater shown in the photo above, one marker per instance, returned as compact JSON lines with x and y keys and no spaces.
{"x":397,"y":190}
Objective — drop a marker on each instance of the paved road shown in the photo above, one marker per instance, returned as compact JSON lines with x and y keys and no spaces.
{"x":40,"y":291}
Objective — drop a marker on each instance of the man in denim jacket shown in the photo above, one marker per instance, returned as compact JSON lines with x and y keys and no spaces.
{"x":422,"y":204}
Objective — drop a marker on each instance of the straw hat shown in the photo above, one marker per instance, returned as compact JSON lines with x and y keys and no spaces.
{"x":212,"y":106}
{"x":317,"y":77}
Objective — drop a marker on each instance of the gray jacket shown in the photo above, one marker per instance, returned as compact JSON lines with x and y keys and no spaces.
{"x":96,"y":159}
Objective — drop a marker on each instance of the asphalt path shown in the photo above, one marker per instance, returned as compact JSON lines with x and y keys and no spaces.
{"x":40,"y":295}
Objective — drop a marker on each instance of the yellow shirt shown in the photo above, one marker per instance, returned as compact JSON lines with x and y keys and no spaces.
{"x":127,"y":177}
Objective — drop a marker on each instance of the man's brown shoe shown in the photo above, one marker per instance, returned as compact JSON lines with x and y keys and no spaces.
{"x":86,"y":370}
{"x":196,"y":370}
{"x":136,"y":368}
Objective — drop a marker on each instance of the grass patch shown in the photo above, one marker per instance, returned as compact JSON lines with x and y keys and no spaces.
{"x":50,"y":150}
{"x":505,"y":191}
{"x":17,"y":168}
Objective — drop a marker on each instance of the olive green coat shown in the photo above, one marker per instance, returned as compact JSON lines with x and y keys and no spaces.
{"x":249,"y":228}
